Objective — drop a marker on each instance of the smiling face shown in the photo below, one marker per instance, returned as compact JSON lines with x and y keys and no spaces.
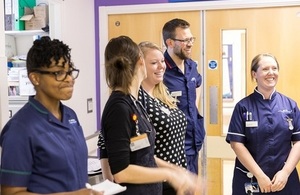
{"x":155,"y":65}
{"x":266,"y":74}
{"x":183,"y":50}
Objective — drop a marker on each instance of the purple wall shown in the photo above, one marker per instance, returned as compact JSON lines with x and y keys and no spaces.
{"x":126,"y":2}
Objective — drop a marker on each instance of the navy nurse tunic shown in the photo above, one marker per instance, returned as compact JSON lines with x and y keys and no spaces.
{"x":41,"y":153}
{"x":186,"y":83}
{"x":266,"y":127}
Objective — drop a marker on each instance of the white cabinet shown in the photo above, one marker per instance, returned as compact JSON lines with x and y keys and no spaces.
{"x":22,"y":39}
{"x":17,"y":44}
{"x":15,"y":103}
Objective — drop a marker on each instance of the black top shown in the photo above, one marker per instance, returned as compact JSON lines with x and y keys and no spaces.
{"x":118,"y":126}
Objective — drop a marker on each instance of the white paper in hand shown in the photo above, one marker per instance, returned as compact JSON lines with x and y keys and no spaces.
{"x":109,"y":187}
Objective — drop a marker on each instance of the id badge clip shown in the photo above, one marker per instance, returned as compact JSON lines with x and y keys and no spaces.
{"x":251,"y":188}
{"x":139,"y":142}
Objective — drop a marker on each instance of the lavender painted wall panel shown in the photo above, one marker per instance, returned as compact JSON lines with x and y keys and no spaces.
{"x":127,"y":2}
{"x":134,"y":2}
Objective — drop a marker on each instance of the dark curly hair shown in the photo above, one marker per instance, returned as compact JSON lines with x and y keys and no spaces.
{"x":44,"y":50}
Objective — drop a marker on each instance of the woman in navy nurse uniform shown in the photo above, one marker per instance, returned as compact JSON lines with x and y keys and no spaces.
{"x":264,"y":133}
{"x":43,"y":146}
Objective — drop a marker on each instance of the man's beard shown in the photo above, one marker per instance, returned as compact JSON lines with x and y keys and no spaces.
{"x":180,"y":54}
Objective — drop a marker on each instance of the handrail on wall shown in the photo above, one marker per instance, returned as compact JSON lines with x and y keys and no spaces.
{"x":92,"y":136}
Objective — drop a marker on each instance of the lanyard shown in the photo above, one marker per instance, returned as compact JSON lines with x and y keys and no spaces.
{"x":144,"y":116}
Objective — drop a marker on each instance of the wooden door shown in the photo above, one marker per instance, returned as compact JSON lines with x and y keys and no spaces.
{"x":148,"y":27}
{"x":272,"y":30}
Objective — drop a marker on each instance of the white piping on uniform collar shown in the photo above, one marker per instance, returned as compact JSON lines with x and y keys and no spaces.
{"x":263,"y":94}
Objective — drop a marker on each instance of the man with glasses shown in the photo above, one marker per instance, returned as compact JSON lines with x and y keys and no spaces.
{"x":43,"y":147}
{"x":183,"y":82}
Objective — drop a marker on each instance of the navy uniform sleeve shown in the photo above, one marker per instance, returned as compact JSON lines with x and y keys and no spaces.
{"x":296,"y":131}
{"x":17,"y":157}
{"x":236,"y":130}
{"x":198,"y":78}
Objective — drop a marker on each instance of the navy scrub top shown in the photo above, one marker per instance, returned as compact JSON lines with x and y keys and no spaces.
{"x":187,"y":82}
{"x":263,"y":126}
{"x":41,"y":153}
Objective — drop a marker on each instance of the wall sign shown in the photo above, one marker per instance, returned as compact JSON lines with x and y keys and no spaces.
{"x":212,"y":64}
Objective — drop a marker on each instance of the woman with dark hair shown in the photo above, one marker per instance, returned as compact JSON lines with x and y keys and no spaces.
{"x":128,"y":132}
{"x":43,"y":146}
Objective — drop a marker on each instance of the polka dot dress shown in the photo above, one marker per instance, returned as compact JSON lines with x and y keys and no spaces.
{"x":170,"y":126}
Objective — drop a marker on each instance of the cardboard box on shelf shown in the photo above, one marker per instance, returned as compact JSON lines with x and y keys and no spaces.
{"x":18,"y":12}
{"x":40,"y":11}
{"x":36,"y":18}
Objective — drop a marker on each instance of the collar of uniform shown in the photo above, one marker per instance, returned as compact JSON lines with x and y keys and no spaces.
{"x":171,"y":64}
{"x":169,"y":61}
{"x":41,"y":109}
{"x":37,"y":105}
{"x":260,"y":95}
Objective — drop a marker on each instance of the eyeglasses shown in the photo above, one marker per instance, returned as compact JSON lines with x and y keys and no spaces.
{"x":61,"y":75}
{"x":185,"y":41}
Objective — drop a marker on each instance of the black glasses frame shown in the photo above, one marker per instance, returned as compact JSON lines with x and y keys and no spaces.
{"x":59,"y":73}
{"x":186,"y":41}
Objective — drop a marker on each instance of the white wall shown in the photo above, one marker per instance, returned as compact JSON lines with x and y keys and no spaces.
{"x":78,"y":31}
{"x":75,"y":24}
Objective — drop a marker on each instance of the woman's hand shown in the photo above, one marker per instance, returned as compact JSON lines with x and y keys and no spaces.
{"x":279,"y":181}
{"x":264,"y":183}
{"x":185,"y":182}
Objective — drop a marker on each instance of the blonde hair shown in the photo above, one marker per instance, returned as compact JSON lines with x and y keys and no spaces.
{"x":160,"y":91}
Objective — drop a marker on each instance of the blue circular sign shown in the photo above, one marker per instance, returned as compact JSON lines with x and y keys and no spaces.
{"x":213,"y":64}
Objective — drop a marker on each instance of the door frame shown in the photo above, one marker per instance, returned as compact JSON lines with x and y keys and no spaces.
{"x":104,"y":11}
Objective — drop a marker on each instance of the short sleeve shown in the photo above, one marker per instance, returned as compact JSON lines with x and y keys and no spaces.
{"x":236,"y":129}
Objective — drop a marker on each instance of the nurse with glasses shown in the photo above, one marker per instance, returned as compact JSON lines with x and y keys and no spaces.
{"x":43,"y":147}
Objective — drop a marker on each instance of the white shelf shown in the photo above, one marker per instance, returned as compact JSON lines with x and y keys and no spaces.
{"x":26,"y":32}
{"x":13,"y":83}
{"x":18,"y":98}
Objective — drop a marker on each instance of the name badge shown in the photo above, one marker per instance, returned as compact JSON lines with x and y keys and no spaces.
{"x":251,"y":123}
{"x":139,"y":142}
{"x":176,"y":93}
{"x":165,"y":110}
